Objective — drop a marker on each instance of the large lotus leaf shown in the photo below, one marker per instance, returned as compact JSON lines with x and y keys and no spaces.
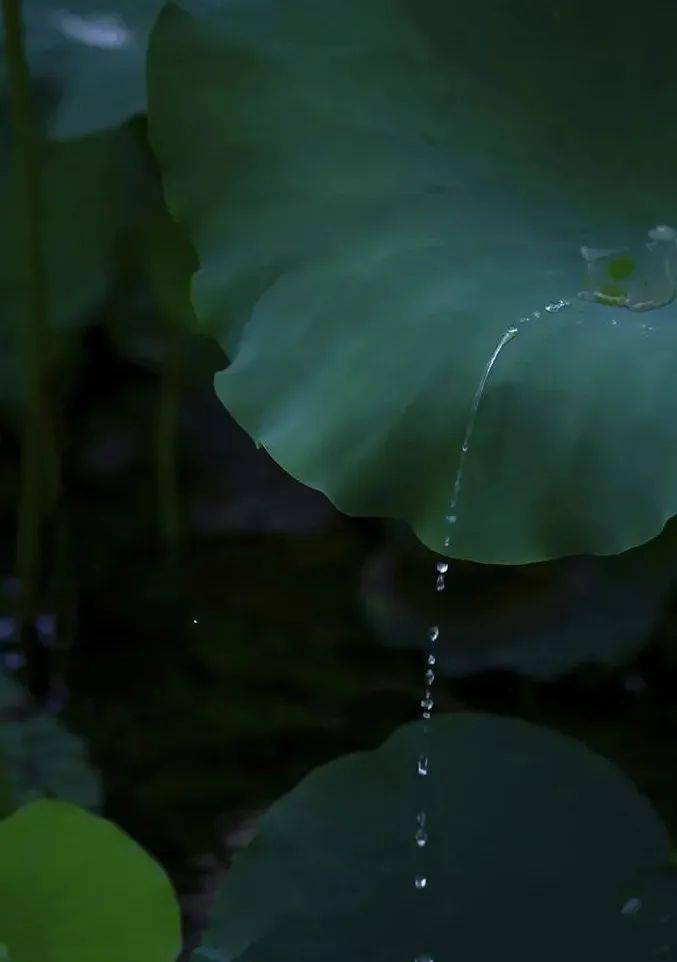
{"x":541,"y":620}
{"x":536,"y":849}
{"x":74,"y":888}
{"x":376,"y":191}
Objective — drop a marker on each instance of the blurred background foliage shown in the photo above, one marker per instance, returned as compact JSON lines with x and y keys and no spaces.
{"x":205,"y":630}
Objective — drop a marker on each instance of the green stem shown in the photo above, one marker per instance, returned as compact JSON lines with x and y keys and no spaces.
{"x":29,"y":193}
{"x":167,"y":429}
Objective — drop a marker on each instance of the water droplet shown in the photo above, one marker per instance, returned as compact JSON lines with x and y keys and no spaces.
{"x":421,"y":818}
{"x":442,"y":567}
{"x":615,"y":322}
{"x":632,"y":906}
{"x":523,"y":320}
{"x":465,"y":446}
{"x":431,"y":659}
{"x":450,"y":519}
{"x":440,"y":584}
{"x":447,"y":541}
{"x":425,"y":715}
{"x":420,"y":881}
{"x":423,"y":765}
{"x":195,"y":621}
{"x":430,"y":676}
{"x":433,"y":633}
{"x":421,"y":838}
{"x":424,"y":958}
{"x":536,"y":314}
{"x":557,"y":306}
{"x":663,"y":232}
{"x":427,"y":702}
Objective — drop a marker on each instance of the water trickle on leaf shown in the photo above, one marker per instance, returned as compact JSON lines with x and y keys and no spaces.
{"x":441,"y":568}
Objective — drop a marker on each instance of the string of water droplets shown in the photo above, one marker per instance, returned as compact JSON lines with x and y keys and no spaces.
{"x":441,"y":568}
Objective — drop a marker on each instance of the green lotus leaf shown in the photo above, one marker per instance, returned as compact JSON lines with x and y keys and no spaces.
{"x":73,"y":888}
{"x":377,"y":191}
{"x":536,"y":849}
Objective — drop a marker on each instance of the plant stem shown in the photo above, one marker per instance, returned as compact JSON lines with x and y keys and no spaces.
{"x":167,"y":425}
{"x":30,"y":209}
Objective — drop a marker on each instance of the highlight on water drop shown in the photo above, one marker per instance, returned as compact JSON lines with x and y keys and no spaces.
{"x":420,"y":882}
{"x":422,"y":765}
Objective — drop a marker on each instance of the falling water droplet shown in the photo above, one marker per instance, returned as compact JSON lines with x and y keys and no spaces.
{"x":421,"y":838}
{"x":632,"y":906}
{"x":195,"y":621}
{"x":536,"y":314}
{"x":442,"y":567}
{"x":614,"y":322}
{"x":557,"y":306}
